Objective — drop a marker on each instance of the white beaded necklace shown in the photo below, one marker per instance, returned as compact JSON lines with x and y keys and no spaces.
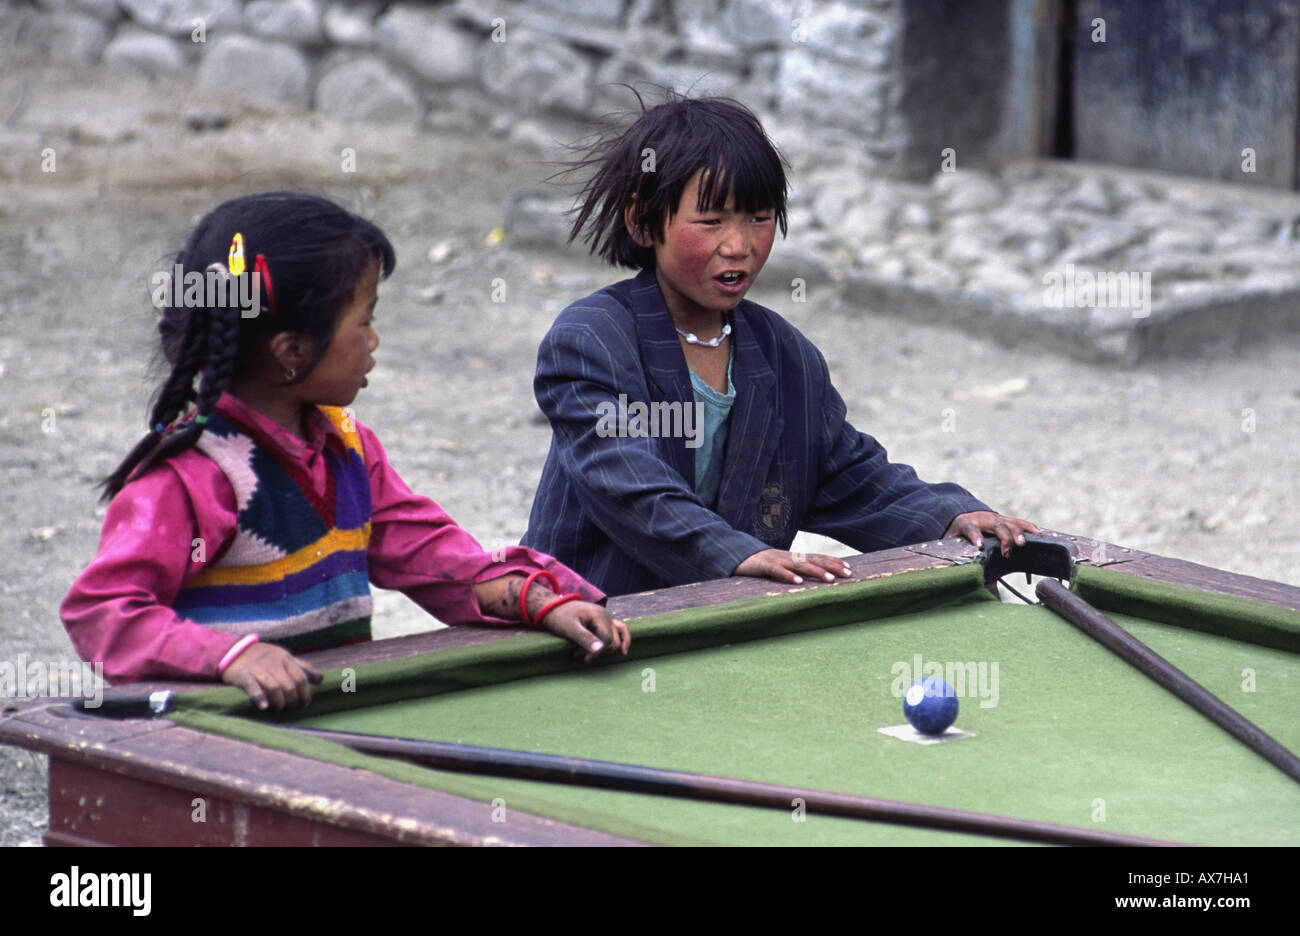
{"x":692,"y":338}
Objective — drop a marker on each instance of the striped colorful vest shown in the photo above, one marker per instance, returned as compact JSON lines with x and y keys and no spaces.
{"x":296,"y":571}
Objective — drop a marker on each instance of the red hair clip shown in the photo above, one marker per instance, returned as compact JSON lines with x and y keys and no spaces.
{"x":260,"y":267}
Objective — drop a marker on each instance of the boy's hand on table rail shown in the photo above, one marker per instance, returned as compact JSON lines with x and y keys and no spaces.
{"x":1008,"y":530}
{"x":789,"y":567}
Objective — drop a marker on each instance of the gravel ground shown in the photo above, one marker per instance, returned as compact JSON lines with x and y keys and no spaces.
{"x":1192,"y":459}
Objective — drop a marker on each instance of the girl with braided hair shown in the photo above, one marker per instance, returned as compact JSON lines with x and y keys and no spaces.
{"x":247,"y":526}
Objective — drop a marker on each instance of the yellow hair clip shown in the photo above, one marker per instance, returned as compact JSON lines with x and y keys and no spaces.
{"x":236,"y":264}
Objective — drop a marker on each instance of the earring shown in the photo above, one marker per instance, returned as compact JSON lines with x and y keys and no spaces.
{"x":290,"y":374}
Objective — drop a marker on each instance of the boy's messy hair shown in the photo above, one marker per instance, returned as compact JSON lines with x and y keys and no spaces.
{"x":653,"y":160}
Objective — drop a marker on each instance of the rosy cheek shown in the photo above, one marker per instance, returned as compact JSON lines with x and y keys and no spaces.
{"x":695,"y":250}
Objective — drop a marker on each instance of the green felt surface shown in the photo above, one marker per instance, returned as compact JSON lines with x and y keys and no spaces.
{"x":1067,"y":733}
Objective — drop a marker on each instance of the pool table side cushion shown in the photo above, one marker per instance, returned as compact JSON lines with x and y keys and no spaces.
{"x":1229,"y":615}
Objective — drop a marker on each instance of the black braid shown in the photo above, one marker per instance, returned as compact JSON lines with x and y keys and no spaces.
{"x":214,"y":344}
{"x":223,"y":351}
{"x":172,"y":397}
{"x":219,"y":369}
{"x":178,"y":391}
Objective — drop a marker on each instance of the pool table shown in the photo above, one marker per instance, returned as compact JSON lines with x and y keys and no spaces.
{"x":797,"y":687}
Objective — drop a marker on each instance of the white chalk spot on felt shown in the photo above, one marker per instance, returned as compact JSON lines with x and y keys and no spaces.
{"x":906,"y":732}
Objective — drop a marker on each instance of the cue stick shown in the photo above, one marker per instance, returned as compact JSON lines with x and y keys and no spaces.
{"x":1105,"y":631}
{"x":554,"y":768}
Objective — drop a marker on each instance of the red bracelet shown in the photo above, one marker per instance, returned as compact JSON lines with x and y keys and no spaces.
{"x":555,"y":603}
{"x":523,"y":594}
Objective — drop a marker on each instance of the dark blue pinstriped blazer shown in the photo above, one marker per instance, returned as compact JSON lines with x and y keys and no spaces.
{"x":622,"y":512}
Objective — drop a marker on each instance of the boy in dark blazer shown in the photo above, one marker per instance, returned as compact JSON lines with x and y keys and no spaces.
{"x":694,"y":433}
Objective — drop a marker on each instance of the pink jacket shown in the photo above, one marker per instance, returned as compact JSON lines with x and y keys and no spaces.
{"x":119,"y":609}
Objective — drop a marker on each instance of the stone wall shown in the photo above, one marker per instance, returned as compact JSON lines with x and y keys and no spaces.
{"x":887,"y":110}
{"x":837,"y":71}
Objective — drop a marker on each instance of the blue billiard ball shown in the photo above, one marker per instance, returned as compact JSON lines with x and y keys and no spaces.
{"x":930,"y":705}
